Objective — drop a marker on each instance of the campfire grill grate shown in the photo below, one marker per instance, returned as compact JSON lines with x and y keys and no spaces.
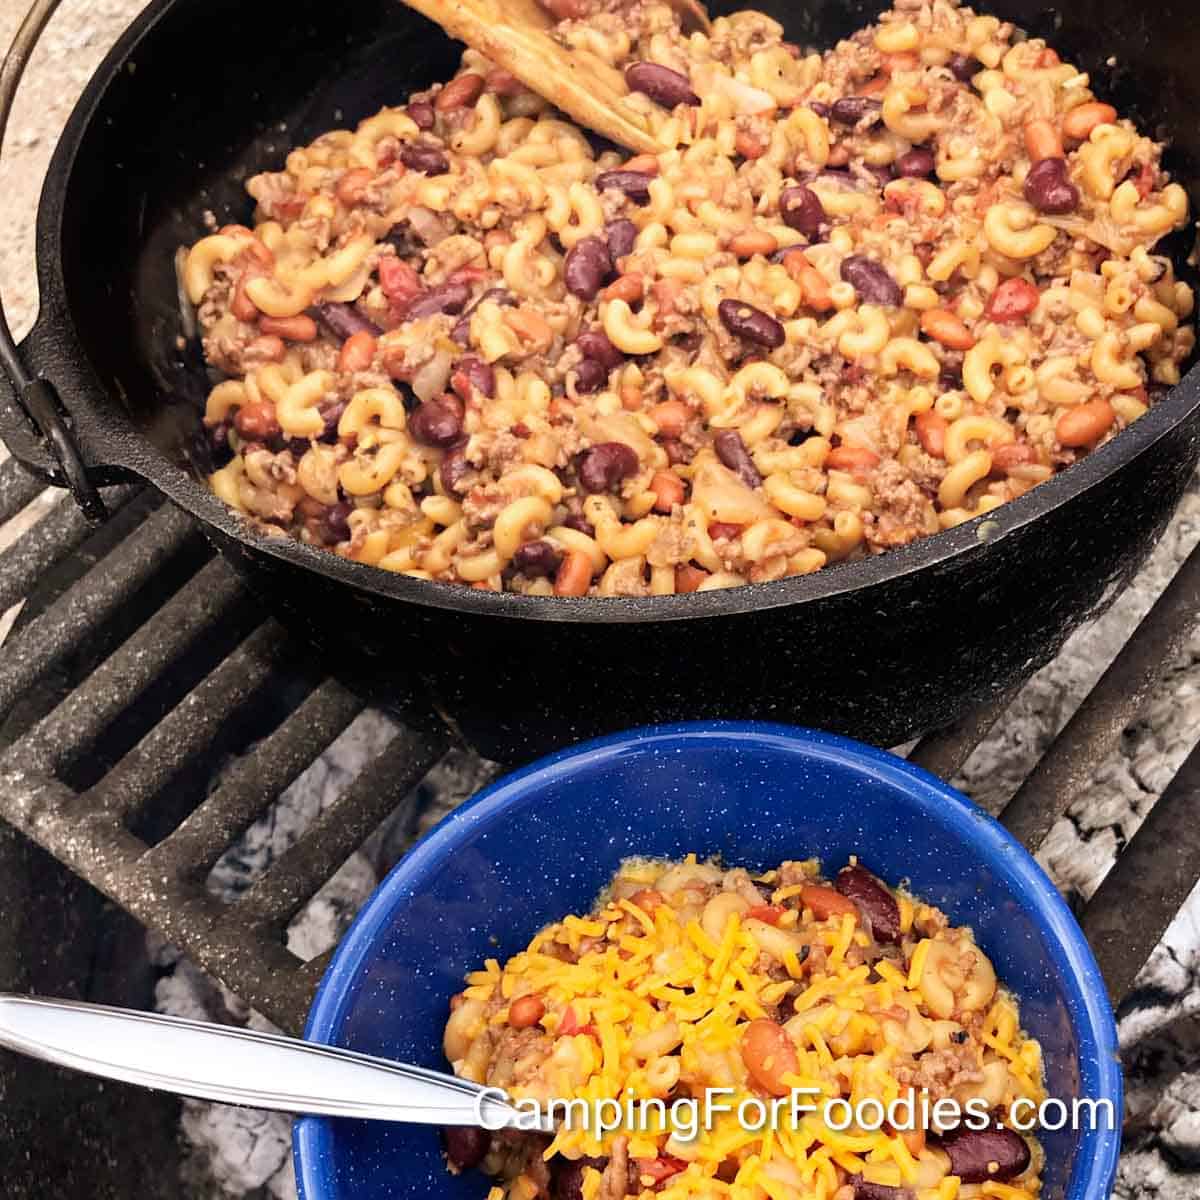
{"x":160,"y":659}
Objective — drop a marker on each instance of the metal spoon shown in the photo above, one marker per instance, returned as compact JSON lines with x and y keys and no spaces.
{"x":240,"y":1066}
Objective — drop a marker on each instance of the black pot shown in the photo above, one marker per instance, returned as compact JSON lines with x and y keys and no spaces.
{"x":200,"y":93}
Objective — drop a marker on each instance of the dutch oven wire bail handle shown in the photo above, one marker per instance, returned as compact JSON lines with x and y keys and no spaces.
{"x":37,"y":427}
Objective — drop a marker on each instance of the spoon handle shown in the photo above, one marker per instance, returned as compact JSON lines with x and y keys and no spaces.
{"x":240,"y":1066}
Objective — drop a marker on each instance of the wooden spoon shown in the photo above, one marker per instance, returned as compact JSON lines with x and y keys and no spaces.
{"x":515,"y":35}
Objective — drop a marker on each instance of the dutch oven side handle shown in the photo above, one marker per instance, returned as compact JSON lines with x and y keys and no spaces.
{"x":35,"y":425}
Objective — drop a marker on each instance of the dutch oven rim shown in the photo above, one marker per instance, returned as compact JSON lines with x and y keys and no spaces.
{"x":127,"y":448}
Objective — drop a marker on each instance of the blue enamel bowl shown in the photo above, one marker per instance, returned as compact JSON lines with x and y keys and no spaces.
{"x":543,"y":841}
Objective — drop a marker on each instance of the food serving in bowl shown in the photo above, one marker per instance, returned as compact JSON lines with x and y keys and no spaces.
{"x":501,"y":872}
{"x":860,"y":297}
{"x":687,"y":979}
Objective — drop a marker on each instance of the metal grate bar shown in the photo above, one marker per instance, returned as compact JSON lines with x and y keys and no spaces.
{"x":1065,"y":770}
{"x":191,"y":725}
{"x":59,"y":532}
{"x":120,"y":679}
{"x":18,"y":487}
{"x":1152,"y":877}
{"x":943,"y":752}
{"x":255,"y":781}
{"x":90,"y":602}
{"x":342,"y":827}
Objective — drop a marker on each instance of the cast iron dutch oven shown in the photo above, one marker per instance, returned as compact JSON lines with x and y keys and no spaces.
{"x":199,"y":94}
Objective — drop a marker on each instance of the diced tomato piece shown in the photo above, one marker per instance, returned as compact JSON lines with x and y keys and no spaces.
{"x":660,"y":1168}
{"x":400,"y":282}
{"x":770,"y":913}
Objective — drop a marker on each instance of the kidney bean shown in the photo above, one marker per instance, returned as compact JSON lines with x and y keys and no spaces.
{"x":425,"y":160}
{"x":745,"y":321}
{"x":871,"y":281}
{"x":595,"y":344}
{"x":1049,"y":189}
{"x":590,"y":376}
{"x":731,"y":450}
{"x":536,"y":559}
{"x":336,"y":521}
{"x":435,"y":423}
{"x":466,"y":1145}
{"x":257,"y":421}
{"x":918,"y":163}
{"x":218,"y":435}
{"x":661,"y":84}
{"x":977,"y":1156}
{"x":604,"y":466}
{"x":445,"y":298}
{"x":460,"y":92}
{"x":580,"y":523}
{"x":454,"y":467}
{"x":472,"y":372}
{"x":621,"y":236}
{"x":864,"y":1190}
{"x":586,"y":266}
{"x":769,"y":1055}
{"x":634,"y":184}
{"x":566,"y":1174}
{"x":800,"y":208}
{"x":950,"y":378}
{"x":963,"y":67}
{"x":878,"y":905}
{"x":421,"y":114}
{"x":331,"y":413}
{"x":1013,"y":300}
{"x":343,"y":320}
{"x":1083,"y":424}
{"x":849,"y":110}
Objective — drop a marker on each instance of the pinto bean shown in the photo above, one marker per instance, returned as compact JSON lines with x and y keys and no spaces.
{"x":931,"y":433}
{"x":445,"y":298}
{"x":1049,"y":189}
{"x":849,"y":110}
{"x":661,"y":84}
{"x":629,"y":288}
{"x":358,"y":352}
{"x":537,"y":559}
{"x":241,"y":305}
{"x":1081,"y":425}
{"x":1082,"y":119}
{"x":634,"y":184}
{"x":745,"y":321}
{"x":731,"y":450}
{"x":621,"y":237}
{"x":668,"y":490}
{"x":918,"y":163}
{"x":460,"y":92}
{"x":595,"y":344}
{"x":688,"y":578}
{"x":824,"y":902}
{"x":800,"y":208}
{"x":977,"y":1156}
{"x":1015,"y":454}
{"x":466,"y":1145}
{"x":425,"y":160}
{"x":585,"y":267}
{"x":744,"y":245}
{"x":1042,"y":140}
{"x":944,"y":326}
{"x":292,"y":329}
{"x":851,"y":458}
{"x":526,"y":1010}
{"x":671,"y":417}
{"x":1013,"y":300}
{"x":574,"y":575}
{"x":871,"y":281}
{"x":604,"y":466}
{"x":435,"y":423}
{"x":769,"y":1055}
{"x":875,"y":902}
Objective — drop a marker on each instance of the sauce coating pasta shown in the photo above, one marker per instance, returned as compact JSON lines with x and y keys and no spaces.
{"x":865,"y":296}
